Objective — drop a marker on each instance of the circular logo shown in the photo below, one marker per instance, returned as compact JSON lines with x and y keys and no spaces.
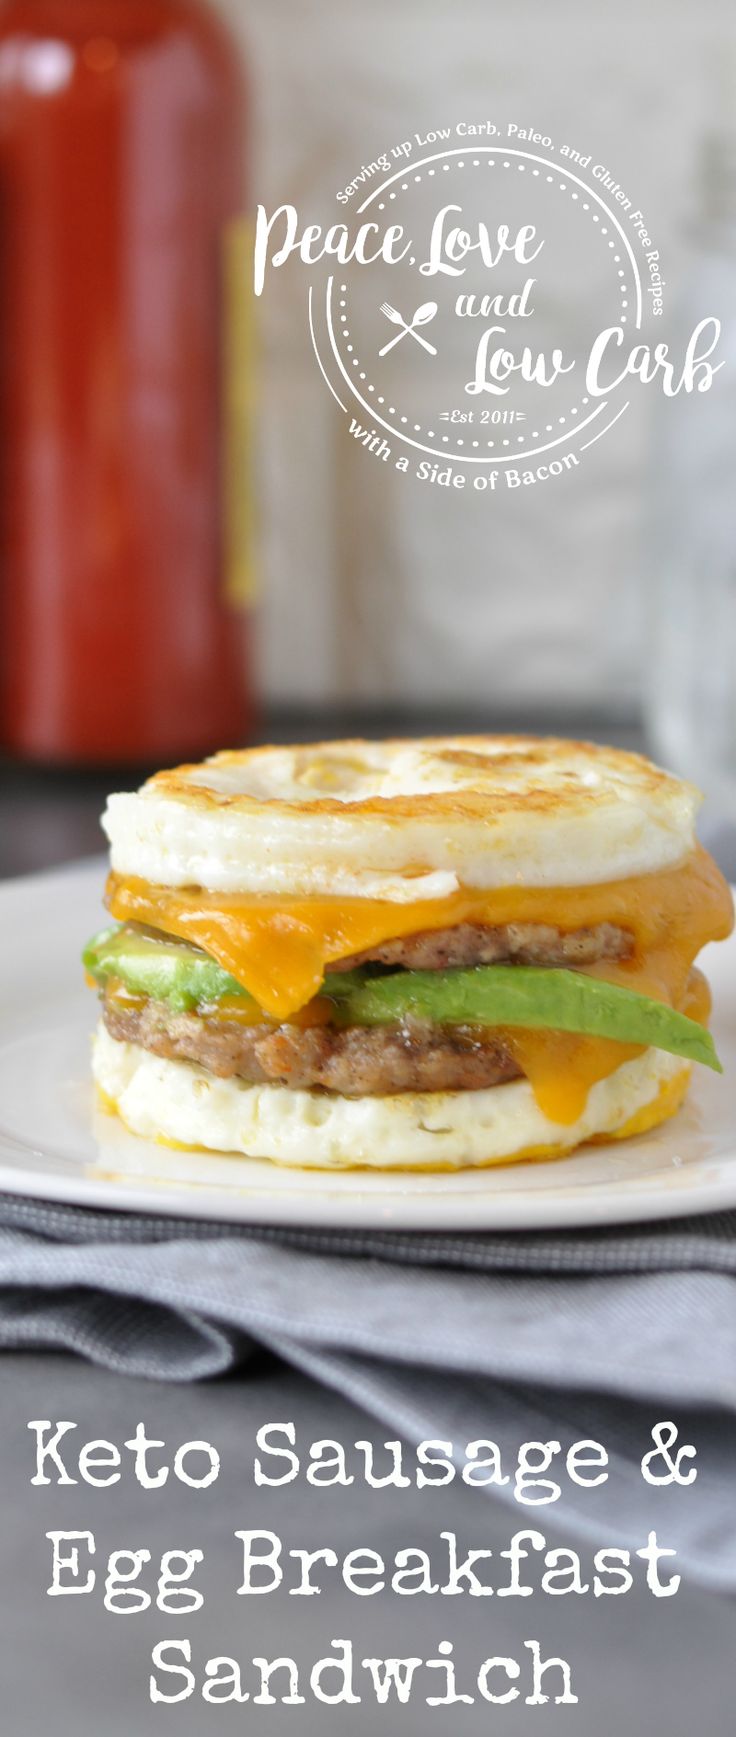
{"x":503,"y":296}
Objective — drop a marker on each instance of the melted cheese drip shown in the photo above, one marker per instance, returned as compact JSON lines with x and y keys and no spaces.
{"x":279,"y":948}
{"x":561,"y":1066}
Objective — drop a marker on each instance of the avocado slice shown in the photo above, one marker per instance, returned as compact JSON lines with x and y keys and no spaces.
{"x":531,"y":996}
{"x":537,"y":997}
{"x":164,"y":969}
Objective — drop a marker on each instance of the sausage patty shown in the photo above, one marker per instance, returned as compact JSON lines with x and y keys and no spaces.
{"x":358,"y":1062}
{"x":510,"y":943}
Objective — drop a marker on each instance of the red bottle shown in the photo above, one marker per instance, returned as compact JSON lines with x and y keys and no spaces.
{"x":123,"y":577}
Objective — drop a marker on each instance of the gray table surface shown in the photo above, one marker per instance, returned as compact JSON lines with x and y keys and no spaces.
{"x":67,"y":1666}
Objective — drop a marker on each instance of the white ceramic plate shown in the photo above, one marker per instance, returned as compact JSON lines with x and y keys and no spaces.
{"x":55,"y":1144}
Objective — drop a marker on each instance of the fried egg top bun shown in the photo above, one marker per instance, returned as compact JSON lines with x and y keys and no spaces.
{"x":404,"y":820}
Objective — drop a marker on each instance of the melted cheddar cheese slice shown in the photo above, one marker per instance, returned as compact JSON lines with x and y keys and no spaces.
{"x":280,"y":948}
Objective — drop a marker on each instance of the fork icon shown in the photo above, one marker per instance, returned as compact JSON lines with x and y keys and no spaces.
{"x":422,"y":317}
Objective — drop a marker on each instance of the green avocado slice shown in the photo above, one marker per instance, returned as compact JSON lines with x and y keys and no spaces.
{"x":538,"y":997}
{"x":166,"y":970}
{"x":535,"y":997}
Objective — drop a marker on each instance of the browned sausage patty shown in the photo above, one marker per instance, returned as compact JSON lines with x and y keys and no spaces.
{"x":358,"y":1062}
{"x":512,"y":943}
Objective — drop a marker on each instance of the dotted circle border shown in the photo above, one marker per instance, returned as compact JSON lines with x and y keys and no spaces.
{"x":563,"y":179}
{"x":563,"y":187}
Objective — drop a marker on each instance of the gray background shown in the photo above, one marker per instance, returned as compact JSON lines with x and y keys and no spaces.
{"x":638,"y":1663}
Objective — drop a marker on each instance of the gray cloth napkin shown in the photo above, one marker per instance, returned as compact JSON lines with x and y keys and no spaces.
{"x":516,"y":1338}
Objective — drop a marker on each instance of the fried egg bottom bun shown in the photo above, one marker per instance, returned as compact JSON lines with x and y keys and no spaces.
{"x":180,"y":1104}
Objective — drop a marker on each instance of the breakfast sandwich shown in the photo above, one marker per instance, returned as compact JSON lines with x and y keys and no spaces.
{"x":413,"y":955}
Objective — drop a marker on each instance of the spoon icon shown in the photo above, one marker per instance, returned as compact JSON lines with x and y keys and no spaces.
{"x":423,"y":315}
